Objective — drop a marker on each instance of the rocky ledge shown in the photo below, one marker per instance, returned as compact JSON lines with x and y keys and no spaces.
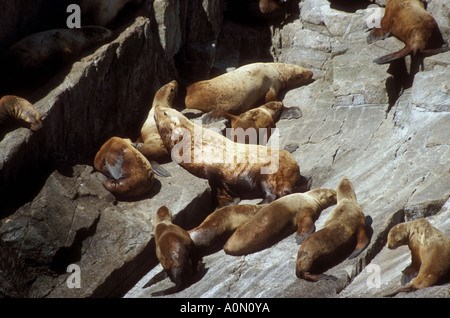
{"x":383,"y":126}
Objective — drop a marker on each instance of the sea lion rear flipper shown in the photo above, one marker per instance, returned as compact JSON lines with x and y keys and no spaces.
{"x":393,"y":56}
{"x":291,"y":112}
{"x":429,"y":52}
{"x":159,"y":171}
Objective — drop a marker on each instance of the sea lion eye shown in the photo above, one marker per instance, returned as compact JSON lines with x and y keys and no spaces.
{"x":165,"y":113}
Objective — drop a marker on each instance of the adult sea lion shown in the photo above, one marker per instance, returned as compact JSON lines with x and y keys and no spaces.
{"x":150,"y":143}
{"x":222,"y":223}
{"x":39,"y":55}
{"x":175,"y":251}
{"x":282,"y":217}
{"x":234,"y":170}
{"x":19,"y":108}
{"x":345,"y":230}
{"x":430,"y":253}
{"x":244,"y":88}
{"x":130,"y":174}
{"x":412,"y":24}
{"x":257,"y":123}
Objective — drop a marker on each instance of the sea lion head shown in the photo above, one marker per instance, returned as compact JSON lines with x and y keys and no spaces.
{"x":94,"y":33}
{"x":345,"y":190}
{"x":324,"y":197}
{"x":171,"y":125}
{"x":397,"y":236}
{"x":165,"y":95}
{"x":163,"y":215}
{"x":31,"y":116}
{"x":293,"y":75}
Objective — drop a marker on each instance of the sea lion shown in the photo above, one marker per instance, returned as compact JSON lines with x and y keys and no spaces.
{"x":175,"y":251}
{"x":345,"y":230}
{"x":103,"y":12}
{"x":150,"y":143}
{"x":245,"y":87}
{"x":39,"y":55}
{"x":257,"y":122}
{"x":282,"y":217}
{"x":130,"y":174}
{"x":221,"y":224}
{"x":430,"y":253}
{"x":272,"y":8}
{"x":412,"y":24}
{"x":19,"y":108}
{"x":235,"y":171}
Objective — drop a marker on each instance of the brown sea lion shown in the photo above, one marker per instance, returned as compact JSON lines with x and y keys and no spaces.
{"x":103,"y":12}
{"x":244,"y":88}
{"x":39,"y":55}
{"x":221,"y":224}
{"x":282,"y":217}
{"x":19,"y":108}
{"x":129,"y":172}
{"x":234,"y":170}
{"x":430,"y":253}
{"x":150,"y":143}
{"x":345,"y":230}
{"x":257,"y":123}
{"x":175,"y":251}
{"x":412,"y":24}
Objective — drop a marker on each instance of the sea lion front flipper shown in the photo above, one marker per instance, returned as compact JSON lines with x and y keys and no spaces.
{"x":271,"y":96}
{"x":215,"y":116}
{"x":305,"y":228}
{"x":363,"y":241}
{"x":115,"y":167}
{"x":159,"y":171}
{"x":291,"y":112}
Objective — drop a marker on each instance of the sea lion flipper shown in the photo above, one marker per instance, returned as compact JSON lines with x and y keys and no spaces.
{"x":115,"y":168}
{"x":291,"y":112}
{"x":305,"y":228}
{"x":159,"y":171}
{"x":363,"y":241}
{"x":214,"y":116}
{"x":393,"y":56}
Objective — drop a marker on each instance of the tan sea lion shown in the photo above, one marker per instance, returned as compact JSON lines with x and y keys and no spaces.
{"x":345,"y":230}
{"x":39,"y":55}
{"x":282,"y":217}
{"x":257,"y":122}
{"x":430,"y":253}
{"x":412,"y":24}
{"x":234,"y":170}
{"x":175,"y":251}
{"x":150,"y":143}
{"x":221,"y":224}
{"x":244,"y":88}
{"x":272,"y":8}
{"x":103,"y":12}
{"x":19,"y":108}
{"x":129,"y":172}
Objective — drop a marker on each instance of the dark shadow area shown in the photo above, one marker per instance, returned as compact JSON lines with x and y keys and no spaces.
{"x":350,"y":6}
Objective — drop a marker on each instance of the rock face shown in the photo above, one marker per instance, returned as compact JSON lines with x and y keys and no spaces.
{"x":383,"y":126}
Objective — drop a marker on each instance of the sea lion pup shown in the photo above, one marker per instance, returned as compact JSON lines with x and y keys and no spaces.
{"x":282,"y":217}
{"x":345,"y":230}
{"x":150,"y":143}
{"x":19,"y":108}
{"x":41,"y":54}
{"x":244,"y":88}
{"x":260,"y":121}
{"x":430,"y":253}
{"x":130,"y":174}
{"x":412,"y":24}
{"x":221,"y":224}
{"x":175,"y":251}
{"x":235,"y":171}
{"x":103,"y":12}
